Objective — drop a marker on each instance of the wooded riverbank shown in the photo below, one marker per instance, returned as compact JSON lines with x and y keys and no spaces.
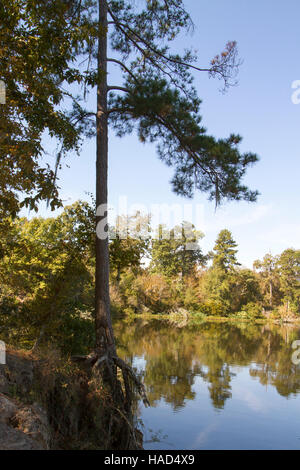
{"x":48,"y":403}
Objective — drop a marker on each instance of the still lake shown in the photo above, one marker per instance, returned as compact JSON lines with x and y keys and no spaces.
{"x":215,"y":385}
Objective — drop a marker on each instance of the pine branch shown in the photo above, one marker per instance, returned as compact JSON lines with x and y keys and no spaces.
{"x":118,"y":88}
{"x":121,"y":26}
{"x":221,"y":65}
{"x":115,"y":61}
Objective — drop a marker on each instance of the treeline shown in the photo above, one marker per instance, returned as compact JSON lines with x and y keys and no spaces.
{"x":180,"y":277}
{"x":47,"y":276}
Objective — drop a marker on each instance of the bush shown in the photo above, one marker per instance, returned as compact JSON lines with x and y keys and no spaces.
{"x":213,"y":307}
{"x":250,"y":311}
{"x":145,"y":293}
{"x":282,"y":313}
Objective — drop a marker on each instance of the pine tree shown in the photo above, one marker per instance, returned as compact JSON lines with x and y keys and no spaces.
{"x":225,"y":251}
{"x":157,"y":98}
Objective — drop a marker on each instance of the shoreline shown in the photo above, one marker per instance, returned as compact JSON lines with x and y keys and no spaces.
{"x":199,"y":319}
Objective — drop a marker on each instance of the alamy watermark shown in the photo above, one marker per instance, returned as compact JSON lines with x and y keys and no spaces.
{"x":296,"y":94}
{"x":296,"y":354}
{"x":2,"y":353}
{"x":157,"y":221}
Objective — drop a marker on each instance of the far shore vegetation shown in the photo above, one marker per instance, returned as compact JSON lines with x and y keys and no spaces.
{"x":47,"y":277}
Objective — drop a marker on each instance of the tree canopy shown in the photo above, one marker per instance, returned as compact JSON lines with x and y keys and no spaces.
{"x":39,"y":43}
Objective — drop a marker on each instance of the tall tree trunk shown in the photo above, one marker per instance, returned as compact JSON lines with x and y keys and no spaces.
{"x":104,"y":359}
{"x":104,"y":333}
{"x":271,"y":293}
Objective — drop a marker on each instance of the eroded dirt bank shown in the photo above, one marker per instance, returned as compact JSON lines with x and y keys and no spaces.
{"x":49,"y":404}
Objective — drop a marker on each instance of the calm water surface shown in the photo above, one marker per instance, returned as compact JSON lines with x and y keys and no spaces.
{"x":215,"y":386}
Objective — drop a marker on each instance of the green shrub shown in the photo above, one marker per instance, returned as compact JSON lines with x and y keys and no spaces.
{"x":250,"y":311}
{"x":213,"y":307}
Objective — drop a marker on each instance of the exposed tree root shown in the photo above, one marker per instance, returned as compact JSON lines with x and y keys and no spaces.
{"x":110,"y":360}
{"x":104,"y":368}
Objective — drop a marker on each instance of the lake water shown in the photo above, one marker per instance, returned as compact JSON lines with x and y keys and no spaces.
{"x":215,"y":385}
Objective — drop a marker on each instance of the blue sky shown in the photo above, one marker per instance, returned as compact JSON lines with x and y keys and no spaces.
{"x":259,"y":108}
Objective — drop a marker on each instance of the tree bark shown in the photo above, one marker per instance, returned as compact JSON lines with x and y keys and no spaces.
{"x":271,"y":293}
{"x":104,"y":333}
{"x":104,"y":359}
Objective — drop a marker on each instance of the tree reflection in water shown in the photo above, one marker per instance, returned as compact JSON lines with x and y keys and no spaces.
{"x":174,"y":357}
